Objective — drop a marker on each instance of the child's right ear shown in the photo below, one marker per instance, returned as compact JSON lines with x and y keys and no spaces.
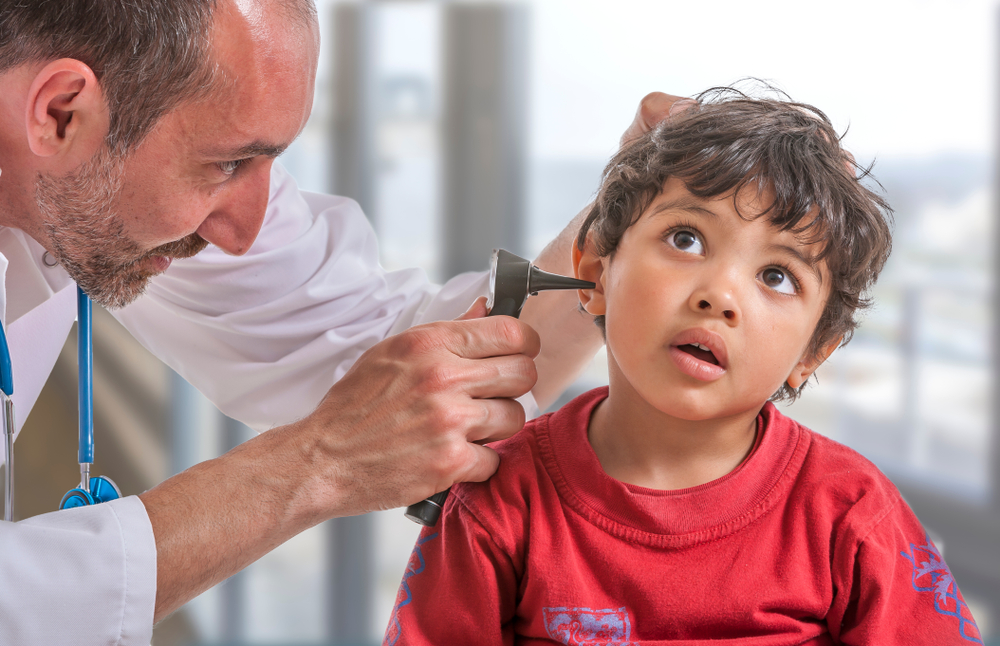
{"x":588,"y":265}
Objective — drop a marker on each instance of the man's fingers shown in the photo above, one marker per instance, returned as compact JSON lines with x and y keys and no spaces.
{"x":507,"y":376}
{"x":476,"y":311}
{"x":483,"y":463}
{"x":498,"y":419}
{"x":478,"y":338}
{"x":654,"y":108}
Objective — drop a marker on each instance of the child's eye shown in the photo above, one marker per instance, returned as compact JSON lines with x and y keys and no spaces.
{"x":778,"y":279}
{"x":686,"y":240}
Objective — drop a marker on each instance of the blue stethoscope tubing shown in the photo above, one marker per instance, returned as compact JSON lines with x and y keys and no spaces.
{"x":91,"y":490}
{"x":85,"y":363}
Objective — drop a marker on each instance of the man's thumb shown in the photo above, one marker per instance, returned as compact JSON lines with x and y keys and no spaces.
{"x":476,"y":311}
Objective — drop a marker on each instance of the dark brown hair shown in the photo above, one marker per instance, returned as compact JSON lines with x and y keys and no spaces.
{"x":149,"y":55}
{"x":730,"y":141}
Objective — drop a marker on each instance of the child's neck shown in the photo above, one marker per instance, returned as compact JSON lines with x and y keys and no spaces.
{"x":641,"y":445}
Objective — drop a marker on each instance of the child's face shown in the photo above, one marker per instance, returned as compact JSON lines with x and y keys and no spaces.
{"x":692,"y":271}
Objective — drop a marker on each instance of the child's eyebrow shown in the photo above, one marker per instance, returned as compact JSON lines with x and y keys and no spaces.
{"x":810,"y":261}
{"x":684,"y":204}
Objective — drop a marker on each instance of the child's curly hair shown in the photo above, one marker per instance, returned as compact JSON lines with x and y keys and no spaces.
{"x":730,"y":141}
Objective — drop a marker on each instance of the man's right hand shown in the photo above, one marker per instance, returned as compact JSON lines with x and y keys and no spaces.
{"x":408,"y":419}
{"x":405,"y":422}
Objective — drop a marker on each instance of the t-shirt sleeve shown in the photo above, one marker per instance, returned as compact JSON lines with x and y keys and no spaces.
{"x":899,"y":590}
{"x":459,"y":587}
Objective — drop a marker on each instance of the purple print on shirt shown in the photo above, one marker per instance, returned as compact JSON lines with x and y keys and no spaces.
{"x":587,"y":627}
{"x":404,"y":596}
{"x":931,"y":574}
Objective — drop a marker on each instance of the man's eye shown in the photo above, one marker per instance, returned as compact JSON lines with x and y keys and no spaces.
{"x":687,"y":241}
{"x":778,"y":280}
{"x":230,"y":167}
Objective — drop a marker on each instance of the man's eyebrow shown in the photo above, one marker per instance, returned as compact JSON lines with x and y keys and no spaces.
{"x":253,"y":149}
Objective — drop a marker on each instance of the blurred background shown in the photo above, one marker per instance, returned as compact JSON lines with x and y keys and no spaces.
{"x":464,"y":126}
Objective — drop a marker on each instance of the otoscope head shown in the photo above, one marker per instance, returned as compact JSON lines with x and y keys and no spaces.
{"x":513,"y":278}
{"x":539,"y":281}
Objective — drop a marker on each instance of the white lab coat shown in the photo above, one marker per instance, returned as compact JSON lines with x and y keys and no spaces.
{"x":263,"y":335}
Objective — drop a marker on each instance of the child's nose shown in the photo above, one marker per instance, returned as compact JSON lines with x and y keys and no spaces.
{"x":719,"y":302}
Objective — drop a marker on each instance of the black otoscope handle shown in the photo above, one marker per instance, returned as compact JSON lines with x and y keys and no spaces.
{"x":427,"y":511}
{"x":512,"y":279}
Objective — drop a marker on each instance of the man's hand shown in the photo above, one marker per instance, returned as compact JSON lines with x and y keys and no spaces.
{"x":409,"y":418}
{"x":405,"y":422}
{"x":654,"y":108}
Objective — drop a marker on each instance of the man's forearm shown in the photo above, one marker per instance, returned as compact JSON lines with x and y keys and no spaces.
{"x":218,"y":517}
{"x":569,"y":336}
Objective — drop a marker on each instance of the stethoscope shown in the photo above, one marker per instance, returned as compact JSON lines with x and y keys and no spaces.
{"x":91,"y":490}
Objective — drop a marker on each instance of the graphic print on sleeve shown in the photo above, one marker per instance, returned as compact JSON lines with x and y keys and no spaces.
{"x":588,"y":627}
{"x":414,"y":567}
{"x":931,"y":574}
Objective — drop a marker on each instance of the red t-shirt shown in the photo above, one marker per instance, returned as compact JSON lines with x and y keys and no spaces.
{"x":806,"y":542}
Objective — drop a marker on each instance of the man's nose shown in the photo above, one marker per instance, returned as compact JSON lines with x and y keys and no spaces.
{"x":237,"y":216}
{"x":717,"y":297}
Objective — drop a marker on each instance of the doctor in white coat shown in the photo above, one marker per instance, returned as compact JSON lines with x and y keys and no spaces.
{"x":133,"y":135}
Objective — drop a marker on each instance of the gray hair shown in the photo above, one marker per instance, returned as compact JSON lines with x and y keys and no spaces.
{"x":149,"y":55}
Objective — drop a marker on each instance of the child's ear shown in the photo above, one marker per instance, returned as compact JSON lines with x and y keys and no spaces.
{"x":587,"y":265}
{"x":804,"y":368}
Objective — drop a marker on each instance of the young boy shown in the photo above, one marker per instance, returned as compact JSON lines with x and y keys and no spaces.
{"x":731,"y":248}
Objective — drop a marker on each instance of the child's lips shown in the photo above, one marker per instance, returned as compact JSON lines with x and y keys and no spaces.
{"x":700,"y":354}
{"x":694,"y":367}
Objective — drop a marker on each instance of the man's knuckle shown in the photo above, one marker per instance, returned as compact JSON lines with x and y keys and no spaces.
{"x":454,"y":458}
{"x":438,"y":377}
{"x":444,"y":419}
{"x":417,"y":341}
{"x":511,"y":332}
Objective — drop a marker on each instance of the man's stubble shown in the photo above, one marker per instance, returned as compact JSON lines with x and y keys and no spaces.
{"x":87,"y":233}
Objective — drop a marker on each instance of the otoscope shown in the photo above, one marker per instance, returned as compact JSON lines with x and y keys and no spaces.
{"x":512,"y":280}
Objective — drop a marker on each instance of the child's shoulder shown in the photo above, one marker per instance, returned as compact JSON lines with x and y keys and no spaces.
{"x":520,"y":465}
{"x":528,"y":468}
{"x":836,"y":478}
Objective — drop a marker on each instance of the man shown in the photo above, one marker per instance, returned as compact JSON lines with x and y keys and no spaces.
{"x":132,"y":135}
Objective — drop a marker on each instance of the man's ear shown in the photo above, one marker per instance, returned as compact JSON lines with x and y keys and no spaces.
{"x":804,"y":368}
{"x":65,"y":113}
{"x":587,"y":265}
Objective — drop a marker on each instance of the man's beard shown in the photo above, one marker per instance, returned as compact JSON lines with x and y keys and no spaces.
{"x":88,"y":236}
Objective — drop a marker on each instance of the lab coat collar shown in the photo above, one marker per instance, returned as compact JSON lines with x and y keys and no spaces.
{"x":38,"y":309}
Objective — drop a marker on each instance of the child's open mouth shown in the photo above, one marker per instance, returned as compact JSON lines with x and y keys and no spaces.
{"x":699,"y":351}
